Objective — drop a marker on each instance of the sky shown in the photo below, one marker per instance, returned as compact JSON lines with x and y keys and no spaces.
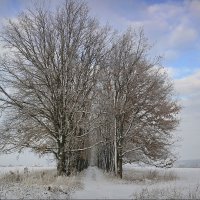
{"x":173,"y":29}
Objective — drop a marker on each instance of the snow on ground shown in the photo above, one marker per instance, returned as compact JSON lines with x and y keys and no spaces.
{"x":171,"y":183}
{"x":97,"y":185}
{"x":39,"y":183}
{"x":138,"y":183}
{"x":16,"y":191}
{"x":7,"y":169}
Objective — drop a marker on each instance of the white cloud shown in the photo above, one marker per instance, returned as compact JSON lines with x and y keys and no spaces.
{"x":189,"y":128}
{"x":189,"y":86}
{"x":164,"y":10}
{"x":172,"y":26}
{"x":171,"y":54}
{"x":183,"y":36}
{"x":189,"y":91}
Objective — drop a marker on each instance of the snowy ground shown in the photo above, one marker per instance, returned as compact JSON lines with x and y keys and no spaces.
{"x":39,"y":183}
{"x":138,"y":183}
{"x":97,"y":185}
{"x":141,"y":183}
{"x":7,"y":169}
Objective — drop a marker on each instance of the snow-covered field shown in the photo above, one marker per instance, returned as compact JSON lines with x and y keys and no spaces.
{"x":7,"y":169}
{"x":138,"y":183}
{"x":38,"y":183}
{"x":142,"y":183}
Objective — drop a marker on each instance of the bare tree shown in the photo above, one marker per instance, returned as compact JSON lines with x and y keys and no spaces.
{"x":68,"y":85}
{"x":47,"y":80}
{"x":140,"y":102}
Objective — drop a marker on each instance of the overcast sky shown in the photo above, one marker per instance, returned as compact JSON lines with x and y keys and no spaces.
{"x":173,"y":27}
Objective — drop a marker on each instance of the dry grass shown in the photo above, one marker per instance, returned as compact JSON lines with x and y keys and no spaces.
{"x":46,"y":178}
{"x":167,"y":175}
{"x":141,"y":176}
{"x":154,"y":175}
{"x":170,"y":192}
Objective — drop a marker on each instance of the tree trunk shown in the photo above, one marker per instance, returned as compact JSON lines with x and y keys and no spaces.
{"x":120,"y":156}
{"x":61,"y":159}
{"x":61,"y":165}
{"x":120,"y":170}
{"x":116,"y":153}
{"x":68,"y":165}
{"x":115,"y":137}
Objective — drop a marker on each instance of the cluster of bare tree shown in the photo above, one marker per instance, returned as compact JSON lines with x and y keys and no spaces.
{"x":136,"y":95}
{"x":73,"y":88}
